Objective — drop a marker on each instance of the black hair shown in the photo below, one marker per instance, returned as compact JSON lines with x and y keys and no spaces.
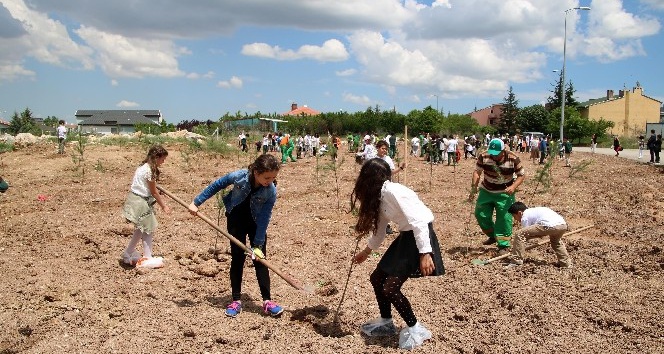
{"x":367,"y":191}
{"x":517,"y":207}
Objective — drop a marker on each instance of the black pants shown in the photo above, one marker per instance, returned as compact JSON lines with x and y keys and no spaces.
{"x":240,"y":227}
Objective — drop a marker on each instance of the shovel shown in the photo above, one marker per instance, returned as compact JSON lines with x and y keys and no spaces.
{"x":294,"y":283}
{"x":485,"y":262}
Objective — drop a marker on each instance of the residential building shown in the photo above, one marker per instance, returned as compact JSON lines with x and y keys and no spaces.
{"x":115,"y":121}
{"x":302,"y":111}
{"x":630,"y":110}
{"x":489,"y":115}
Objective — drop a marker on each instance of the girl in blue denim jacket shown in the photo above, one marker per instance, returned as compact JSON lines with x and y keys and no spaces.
{"x":248,"y":210}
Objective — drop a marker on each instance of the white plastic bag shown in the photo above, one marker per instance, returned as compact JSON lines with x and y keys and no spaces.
{"x":379,"y":327}
{"x":412,"y":337}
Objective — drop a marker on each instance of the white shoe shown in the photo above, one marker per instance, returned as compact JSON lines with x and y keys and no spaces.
{"x":412,"y":337}
{"x":152,"y":262}
{"x":130,"y":259}
{"x":379,"y":327}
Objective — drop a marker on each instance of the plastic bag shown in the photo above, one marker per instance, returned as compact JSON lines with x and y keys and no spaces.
{"x":412,"y":337}
{"x":379,"y":327}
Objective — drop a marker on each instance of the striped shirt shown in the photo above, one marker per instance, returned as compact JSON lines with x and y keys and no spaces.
{"x":499,"y":175}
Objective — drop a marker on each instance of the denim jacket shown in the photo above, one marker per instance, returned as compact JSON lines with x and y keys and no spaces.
{"x":261,"y":203}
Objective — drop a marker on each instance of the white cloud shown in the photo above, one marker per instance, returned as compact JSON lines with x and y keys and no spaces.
{"x":347,"y":72}
{"x":196,"y":76}
{"x":233,"y":82}
{"x":41,"y":38}
{"x":331,"y":50}
{"x":359,"y":100}
{"x":114,"y":82}
{"x":655,"y":4}
{"x":127,"y":104}
{"x":120,"y":56}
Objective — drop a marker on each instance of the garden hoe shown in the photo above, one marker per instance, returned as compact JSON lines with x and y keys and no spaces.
{"x":485,"y":262}
{"x":287,"y":278}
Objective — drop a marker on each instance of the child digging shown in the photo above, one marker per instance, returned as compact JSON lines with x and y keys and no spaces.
{"x":414,"y":253}
{"x":138,"y":209}
{"x":248,"y":210}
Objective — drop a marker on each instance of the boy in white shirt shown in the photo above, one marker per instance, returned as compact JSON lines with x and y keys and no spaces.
{"x":538,"y":222}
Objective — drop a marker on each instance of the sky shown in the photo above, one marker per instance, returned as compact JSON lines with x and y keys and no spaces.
{"x":201,"y":59}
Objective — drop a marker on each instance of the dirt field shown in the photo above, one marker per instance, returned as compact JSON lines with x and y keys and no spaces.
{"x":64,"y":290}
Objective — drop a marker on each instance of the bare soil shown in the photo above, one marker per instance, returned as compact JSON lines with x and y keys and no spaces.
{"x":64,"y":289}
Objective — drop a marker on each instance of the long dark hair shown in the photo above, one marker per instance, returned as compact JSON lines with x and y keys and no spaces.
{"x":264,"y":163}
{"x":367,"y":191}
{"x":156,"y":152}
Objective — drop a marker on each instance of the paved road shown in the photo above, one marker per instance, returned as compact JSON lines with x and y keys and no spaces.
{"x":632,"y":154}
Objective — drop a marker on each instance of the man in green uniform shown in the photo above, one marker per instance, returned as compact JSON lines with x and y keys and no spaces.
{"x":496,"y":193}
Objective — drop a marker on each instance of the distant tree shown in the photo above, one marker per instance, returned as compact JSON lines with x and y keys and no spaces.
{"x":462,"y":124}
{"x":51,"y":121}
{"x":423,"y":121}
{"x":555,"y":101}
{"x":22,"y":123}
{"x":532,"y":119}
{"x":507,"y":123}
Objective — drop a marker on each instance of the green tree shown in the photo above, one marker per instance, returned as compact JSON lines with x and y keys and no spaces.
{"x":22,"y":123}
{"x":507,"y":123}
{"x":555,"y":101}
{"x":51,"y":121}
{"x":532,"y":119}
{"x":576,"y":127}
{"x":462,"y":124}
{"x":422,"y":121}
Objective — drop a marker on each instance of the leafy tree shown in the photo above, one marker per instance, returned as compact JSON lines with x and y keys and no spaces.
{"x":51,"y":121}
{"x":532,"y":119}
{"x":423,"y":121}
{"x":599,"y":127}
{"x":462,"y":124}
{"x":576,"y":127}
{"x":22,"y":123}
{"x":507,"y":123}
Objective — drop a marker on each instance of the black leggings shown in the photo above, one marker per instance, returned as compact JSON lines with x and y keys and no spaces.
{"x":388,"y":292}
{"x":240,"y":229}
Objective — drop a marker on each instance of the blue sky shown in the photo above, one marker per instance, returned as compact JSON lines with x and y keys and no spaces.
{"x":202,"y":58}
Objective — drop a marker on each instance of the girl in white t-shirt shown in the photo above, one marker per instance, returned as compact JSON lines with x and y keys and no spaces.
{"x":138,"y":209}
{"x":414,"y":253}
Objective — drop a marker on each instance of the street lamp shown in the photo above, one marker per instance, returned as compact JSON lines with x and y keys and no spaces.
{"x":436,"y":102}
{"x":562,"y":88}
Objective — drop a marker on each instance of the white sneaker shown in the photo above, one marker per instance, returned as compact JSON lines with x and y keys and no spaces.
{"x":152,"y":262}
{"x":412,"y":337}
{"x":379,"y":327}
{"x":130,"y":259}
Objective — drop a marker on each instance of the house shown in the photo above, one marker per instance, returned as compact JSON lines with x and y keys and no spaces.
{"x":630,"y":111}
{"x":115,"y":121}
{"x":489,"y":115}
{"x":303,"y":111}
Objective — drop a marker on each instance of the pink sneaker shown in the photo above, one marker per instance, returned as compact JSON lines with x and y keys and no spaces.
{"x":271,"y":308}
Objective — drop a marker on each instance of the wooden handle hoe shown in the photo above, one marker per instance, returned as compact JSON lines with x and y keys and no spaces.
{"x":283,"y":276}
{"x":481,"y":262}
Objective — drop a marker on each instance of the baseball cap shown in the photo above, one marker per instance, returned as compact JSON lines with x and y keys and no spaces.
{"x":495,"y":146}
{"x":367,"y":137}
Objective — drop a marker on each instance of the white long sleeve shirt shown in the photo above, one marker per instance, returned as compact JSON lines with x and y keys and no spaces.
{"x":401,"y":205}
{"x":541,"y":215}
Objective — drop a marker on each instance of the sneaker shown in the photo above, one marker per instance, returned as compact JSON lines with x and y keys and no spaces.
{"x":412,"y":337}
{"x":379,"y":327}
{"x":233,"y":309}
{"x":503,"y":250}
{"x":271,"y":308}
{"x":150,"y":262}
{"x":489,"y":241}
{"x":130,"y":259}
